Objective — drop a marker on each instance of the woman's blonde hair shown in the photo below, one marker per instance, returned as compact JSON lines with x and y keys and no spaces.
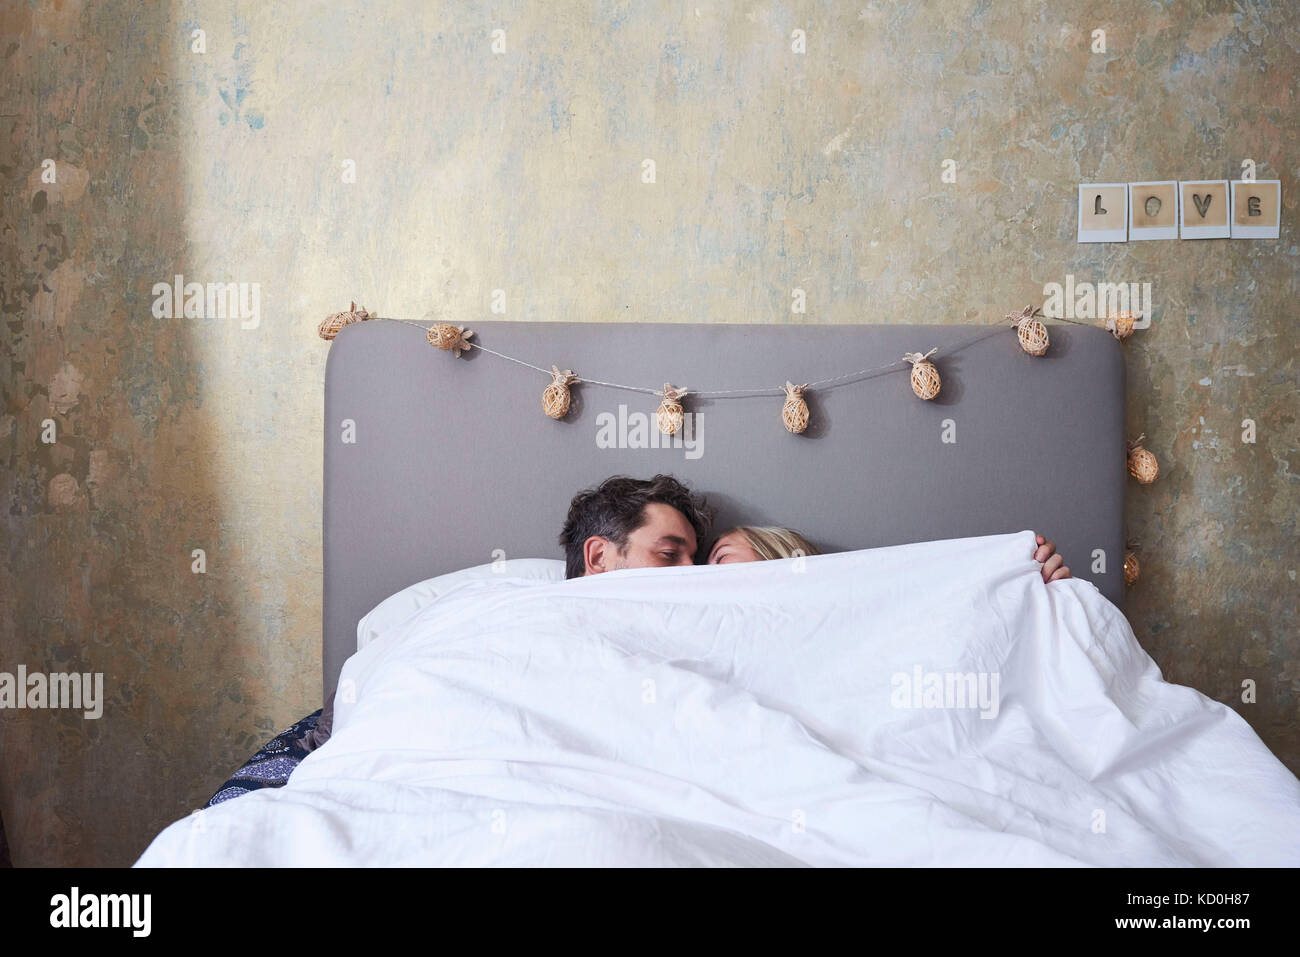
{"x":772,"y":541}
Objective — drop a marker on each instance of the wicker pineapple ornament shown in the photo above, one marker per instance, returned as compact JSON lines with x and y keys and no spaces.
{"x":1142,"y":465}
{"x":1131,"y":567}
{"x":795,"y":411}
{"x":1031,"y":333}
{"x":329,"y":326}
{"x":1121,"y":325}
{"x":925,"y":377}
{"x":669,"y":414}
{"x":555,"y":400}
{"x":449,"y":338}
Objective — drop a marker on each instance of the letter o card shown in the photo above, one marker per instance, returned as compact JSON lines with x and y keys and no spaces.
{"x":1203,"y":209}
{"x":1103,"y":213}
{"x":1257,"y":209}
{"x":1153,"y":210}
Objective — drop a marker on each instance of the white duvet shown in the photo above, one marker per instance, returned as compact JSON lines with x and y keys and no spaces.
{"x":931,"y":704}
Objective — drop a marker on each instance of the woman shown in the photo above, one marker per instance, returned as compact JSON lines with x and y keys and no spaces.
{"x":750,"y":543}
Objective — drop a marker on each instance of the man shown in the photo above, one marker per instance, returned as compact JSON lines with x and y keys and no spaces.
{"x":633,"y":523}
{"x":645,"y":523}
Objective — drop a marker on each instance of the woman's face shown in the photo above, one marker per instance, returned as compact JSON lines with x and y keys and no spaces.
{"x":734,"y":547}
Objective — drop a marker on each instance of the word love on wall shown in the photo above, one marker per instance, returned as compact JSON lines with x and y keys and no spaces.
{"x":1178,"y":209}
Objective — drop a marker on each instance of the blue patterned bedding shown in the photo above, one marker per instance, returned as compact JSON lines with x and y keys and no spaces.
{"x":271,"y":766}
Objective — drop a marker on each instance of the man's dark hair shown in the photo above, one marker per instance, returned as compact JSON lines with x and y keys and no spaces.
{"x":616,"y":508}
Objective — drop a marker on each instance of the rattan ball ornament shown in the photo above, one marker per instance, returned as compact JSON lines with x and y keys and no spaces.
{"x":669,"y":414}
{"x":1131,"y":567}
{"x":1121,"y":325}
{"x":449,"y":338}
{"x":795,"y":411}
{"x":925,"y":377}
{"x":329,"y":326}
{"x":555,"y":400}
{"x":1031,"y":333}
{"x":1142,"y":465}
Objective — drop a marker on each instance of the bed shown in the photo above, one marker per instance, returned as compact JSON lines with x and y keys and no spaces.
{"x":458,"y":453}
{"x":501,"y":719}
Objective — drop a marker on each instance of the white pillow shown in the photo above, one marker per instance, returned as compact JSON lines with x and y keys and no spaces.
{"x":398,"y":608}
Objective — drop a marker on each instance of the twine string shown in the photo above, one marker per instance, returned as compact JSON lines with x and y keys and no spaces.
{"x":895,"y":366}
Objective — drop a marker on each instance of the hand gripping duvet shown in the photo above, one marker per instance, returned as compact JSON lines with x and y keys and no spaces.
{"x":929,"y":704}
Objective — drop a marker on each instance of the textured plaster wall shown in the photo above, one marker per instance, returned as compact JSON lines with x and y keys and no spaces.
{"x":522,"y":171}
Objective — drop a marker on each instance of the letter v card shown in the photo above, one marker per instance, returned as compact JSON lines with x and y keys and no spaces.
{"x":1203,"y":209}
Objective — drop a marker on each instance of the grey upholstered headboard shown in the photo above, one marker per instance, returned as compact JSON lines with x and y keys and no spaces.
{"x":453,"y":458}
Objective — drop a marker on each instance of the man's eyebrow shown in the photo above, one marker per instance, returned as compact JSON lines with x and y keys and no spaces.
{"x":675,"y":539}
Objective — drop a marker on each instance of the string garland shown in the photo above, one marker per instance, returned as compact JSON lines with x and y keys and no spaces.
{"x":925,"y":380}
{"x":897,"y":365}
{"x":1030,"y":331}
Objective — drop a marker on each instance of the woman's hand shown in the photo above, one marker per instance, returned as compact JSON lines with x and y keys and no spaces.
{"x":1054,"y":567}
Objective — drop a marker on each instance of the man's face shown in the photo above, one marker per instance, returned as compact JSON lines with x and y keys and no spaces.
{"x":664,"y":538}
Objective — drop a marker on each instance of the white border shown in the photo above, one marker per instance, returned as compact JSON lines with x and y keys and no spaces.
{"x":1139,"y":233}
{"x":1103,"y":235}
{"x":1253,"y":232}
{"x":1205,"y":232}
